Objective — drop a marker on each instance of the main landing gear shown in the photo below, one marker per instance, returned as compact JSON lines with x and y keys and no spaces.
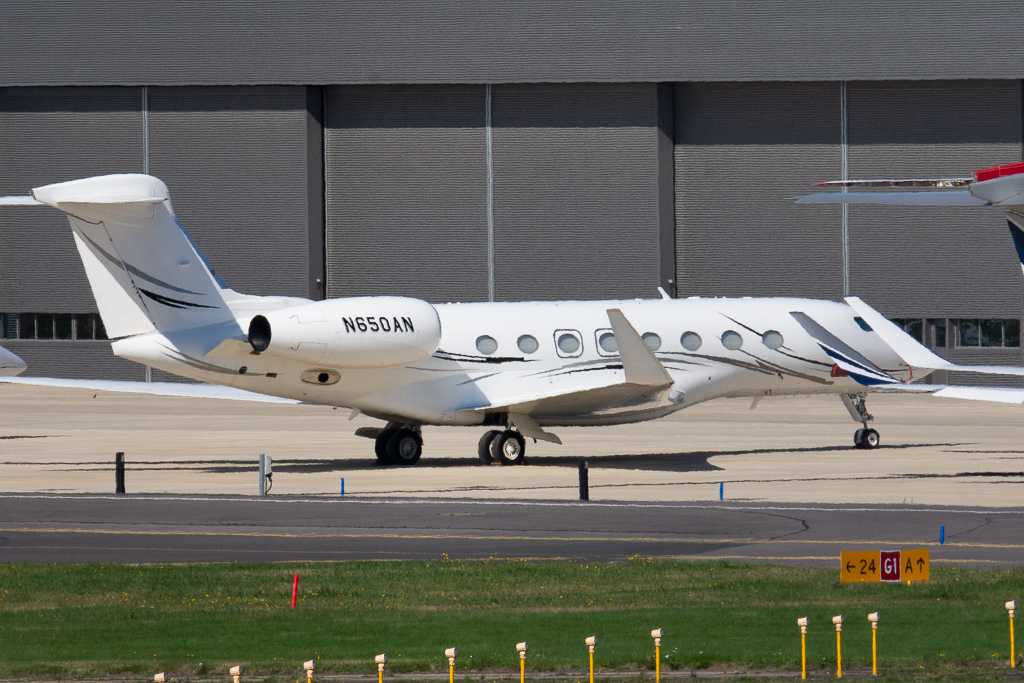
{"x":865,"y":437}
{"x":507,"y":447}
{"x":398,"y":444}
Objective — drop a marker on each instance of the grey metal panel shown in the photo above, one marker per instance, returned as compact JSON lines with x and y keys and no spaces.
{"x":933,"y":261}
{"x":49,"y":135}
{"x":174,"y":42}
{"x":742,"y":150}
{"x":406,"y":192}
{"x":576,"y":191}
{"x":74,"y":360}
{"x":235,"y":161}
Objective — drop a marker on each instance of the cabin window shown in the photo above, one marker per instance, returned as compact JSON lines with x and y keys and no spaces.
{"x":771,"y":339}
{"x":652,"y":340}
{"x":486,"y":345}
{"x":732,"y":340}
{"x":607,"y":342}
{"x":527,"y":344}
{"x":568,"y":342}
{"x":691,"y":341}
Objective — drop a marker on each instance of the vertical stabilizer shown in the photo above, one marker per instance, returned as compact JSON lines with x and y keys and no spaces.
{"x":144,"y":270}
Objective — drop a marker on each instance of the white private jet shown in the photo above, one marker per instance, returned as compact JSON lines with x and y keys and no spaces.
{"x":521,"y":368}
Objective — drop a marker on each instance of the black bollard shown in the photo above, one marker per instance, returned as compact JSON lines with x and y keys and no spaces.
{"x":119,"y":473}
{"x":584,"y":479}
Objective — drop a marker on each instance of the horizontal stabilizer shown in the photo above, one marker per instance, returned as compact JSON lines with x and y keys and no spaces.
{"x":938,"y":198}
{"x":913,"y":352}
{"x":20,"y":201}
{"x":153,"y":388}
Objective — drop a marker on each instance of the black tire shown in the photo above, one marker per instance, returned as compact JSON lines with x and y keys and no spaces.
{"x":871,"y":440}
{"x":380,"y":447}
{"x":858,"y":438}
{"x":405,"y":447}
{"x":509,"y":447}
{"x":483,"y":448}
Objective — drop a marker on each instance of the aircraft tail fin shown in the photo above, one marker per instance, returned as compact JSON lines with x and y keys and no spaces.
{"x":144,"y":270}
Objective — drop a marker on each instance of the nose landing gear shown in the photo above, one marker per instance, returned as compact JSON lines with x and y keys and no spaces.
{"x":865,"y":437}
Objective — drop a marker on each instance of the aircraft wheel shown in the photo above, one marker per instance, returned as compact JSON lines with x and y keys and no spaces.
{"x":858,"y":438}
{"x":380,"y":446}
{"x":509,"y":447}
{"x":483,"y":448}
{"x":405,"y":447}
{"x":870,"y":439}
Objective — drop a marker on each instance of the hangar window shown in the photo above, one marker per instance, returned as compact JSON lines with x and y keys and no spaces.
{"x":912,"y":326}
{"x":691,"y":341}
{"x":732,"y":340}
{"x":652,"y":340}
{"x":771,"y":339}
{"x":606,"y":342}
{"x":60,"y":326}
{"x":527,"y":344}
{"x":486,"y":345}
{"x":975,"y":332}
{"x":569,"y":343}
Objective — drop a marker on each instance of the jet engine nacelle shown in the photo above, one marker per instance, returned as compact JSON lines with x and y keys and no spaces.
{"x":356,"y":332}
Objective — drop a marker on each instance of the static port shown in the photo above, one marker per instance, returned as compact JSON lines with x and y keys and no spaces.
{"x":323,"y":378}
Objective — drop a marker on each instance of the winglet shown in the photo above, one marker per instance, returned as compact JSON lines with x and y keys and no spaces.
{"x":638,"y":361}
{"x":905,"y":346}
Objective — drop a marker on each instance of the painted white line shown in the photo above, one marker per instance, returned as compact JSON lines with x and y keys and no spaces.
{"x":349,"y":500}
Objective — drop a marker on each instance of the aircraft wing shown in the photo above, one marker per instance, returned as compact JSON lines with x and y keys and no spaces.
{"x":992,"y":394}
{"x":152,"y":388}
{"x":10,"y":364}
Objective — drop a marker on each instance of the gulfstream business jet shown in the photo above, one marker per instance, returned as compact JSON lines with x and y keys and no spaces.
{"x":519,"y":370}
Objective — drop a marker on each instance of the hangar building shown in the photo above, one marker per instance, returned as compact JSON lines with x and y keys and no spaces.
{"x":525,"y":149}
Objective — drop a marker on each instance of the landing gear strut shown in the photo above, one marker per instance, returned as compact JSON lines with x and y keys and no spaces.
{"x":398,"y":445}
{"x":865,"y":437}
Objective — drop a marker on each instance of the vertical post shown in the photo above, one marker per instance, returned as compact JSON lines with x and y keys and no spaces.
{"x":295,"y":590}
{"x":451,"y":653}
{"x":343,"y":486}
{"x":721,"y":490}
{"x":119,"y":472}
{"x":262,"y":474}
{"x":873,"y":618}
{"x":942,"y":534}
{"x":521,"y":648}
{"x":657,"y":634}
{"x":584,"y":467}
{"x":591,"y":644}
{"x":381,"y":659}
{"x":838,"y":621}
{"x":488,"y":98}
{"x":844,"y":135}
{"x":1010,"y":607}
{"x":802,"y":623}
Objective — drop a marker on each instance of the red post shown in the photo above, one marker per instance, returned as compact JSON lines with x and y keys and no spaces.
{"x":295,"y":590}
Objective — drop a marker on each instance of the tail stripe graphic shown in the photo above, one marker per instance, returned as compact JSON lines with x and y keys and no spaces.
{"x":173,"y":303}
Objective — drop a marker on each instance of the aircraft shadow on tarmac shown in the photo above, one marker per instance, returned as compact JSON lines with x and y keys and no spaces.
{"x":697,"y":461}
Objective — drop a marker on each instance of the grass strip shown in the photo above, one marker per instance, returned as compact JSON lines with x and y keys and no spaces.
{"x":196,"y":619}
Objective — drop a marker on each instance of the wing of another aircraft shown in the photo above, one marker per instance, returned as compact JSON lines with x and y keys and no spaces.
{"x":152,"y":388}
{"x":10,"y":364}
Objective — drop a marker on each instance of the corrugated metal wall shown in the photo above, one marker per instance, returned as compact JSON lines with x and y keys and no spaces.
{"x":576,"y":191}
{"x":933,"y":261}
{"x":741,"y":150}
{"x":235,"y":161}
{"x":49,"y":135}
{"x":236,"y":42}
{"x":406,"y":192}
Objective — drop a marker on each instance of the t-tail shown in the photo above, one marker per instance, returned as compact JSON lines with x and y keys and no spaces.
{"x":1001,"y":186}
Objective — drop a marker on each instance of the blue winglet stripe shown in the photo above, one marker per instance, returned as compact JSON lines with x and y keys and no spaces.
{"x":1018,"y":239}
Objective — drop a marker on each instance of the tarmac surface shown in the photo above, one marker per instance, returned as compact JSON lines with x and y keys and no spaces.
{"x":795,"y":492}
